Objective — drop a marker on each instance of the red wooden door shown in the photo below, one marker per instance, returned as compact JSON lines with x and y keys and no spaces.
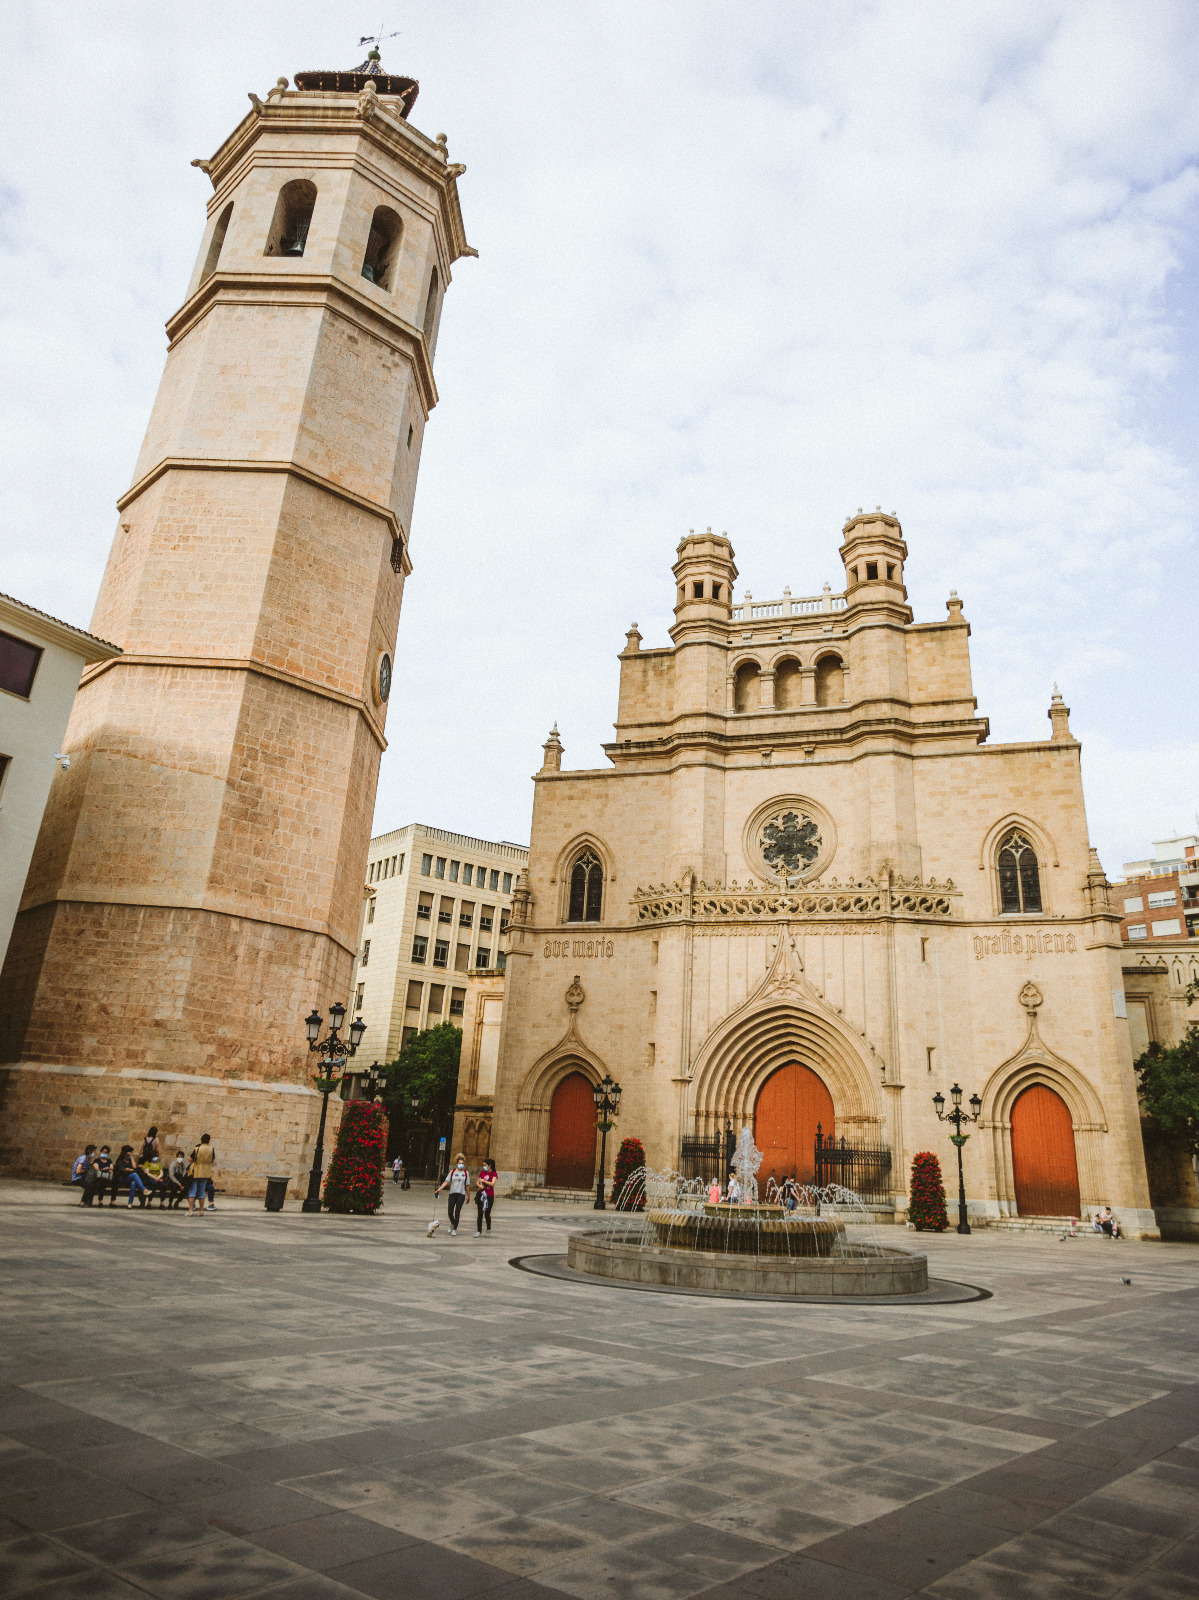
{"x":1043,"y":1160}
{"x":790,"y":1104}
{"x":570,"y":1158}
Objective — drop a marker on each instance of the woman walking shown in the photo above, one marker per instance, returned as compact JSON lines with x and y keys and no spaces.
{"x":458,"y":1183}
{"x":485,"y":1195}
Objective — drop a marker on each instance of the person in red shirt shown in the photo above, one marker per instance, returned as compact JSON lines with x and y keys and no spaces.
{"x":485,"y":1195}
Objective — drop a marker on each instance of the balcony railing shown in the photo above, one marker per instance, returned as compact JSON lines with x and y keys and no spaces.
{"x":788,"y":606}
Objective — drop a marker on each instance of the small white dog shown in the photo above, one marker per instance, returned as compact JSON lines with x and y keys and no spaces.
{"x":433,"y":1227}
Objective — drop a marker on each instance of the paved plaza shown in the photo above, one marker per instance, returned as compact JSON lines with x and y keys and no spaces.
{"x":314,"y":1407}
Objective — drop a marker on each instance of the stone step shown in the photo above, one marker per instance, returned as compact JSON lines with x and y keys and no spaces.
{"x":561,"y":1196}
{"x":1036,"y":1225}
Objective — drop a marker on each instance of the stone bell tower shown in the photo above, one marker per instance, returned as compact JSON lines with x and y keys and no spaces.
{"x":196,"y":886}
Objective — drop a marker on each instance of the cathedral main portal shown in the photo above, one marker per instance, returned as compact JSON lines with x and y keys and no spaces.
{"x":791,"y":1104}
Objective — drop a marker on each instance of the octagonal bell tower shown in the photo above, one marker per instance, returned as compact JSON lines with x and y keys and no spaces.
{"x":197,"y":883}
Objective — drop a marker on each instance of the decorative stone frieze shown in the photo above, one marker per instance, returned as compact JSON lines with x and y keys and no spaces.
{"x":732,"y":903}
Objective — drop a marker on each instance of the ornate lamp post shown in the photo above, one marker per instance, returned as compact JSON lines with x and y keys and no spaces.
{"x":957,"y":1116}
{"x":606,"y":1095}
{"x":334,"y":1052}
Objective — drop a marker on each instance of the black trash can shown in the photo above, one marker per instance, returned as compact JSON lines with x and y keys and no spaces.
{"x":276,"y":1193}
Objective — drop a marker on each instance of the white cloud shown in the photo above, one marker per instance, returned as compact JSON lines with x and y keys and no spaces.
{"x":751,"y":268}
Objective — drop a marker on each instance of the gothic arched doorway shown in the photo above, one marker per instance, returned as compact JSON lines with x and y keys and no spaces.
{"x":790,"y":1105}
{"x":1044,"y":1165}
{"x":570,"y":1156}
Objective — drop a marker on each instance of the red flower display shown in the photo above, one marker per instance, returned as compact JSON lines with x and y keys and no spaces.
{"x":926,"y":1201}
{"x":354,"y":1183}
{"x":629,"y":1158}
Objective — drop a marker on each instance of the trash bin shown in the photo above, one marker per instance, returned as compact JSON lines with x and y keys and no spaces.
{"x":276,"y":1193}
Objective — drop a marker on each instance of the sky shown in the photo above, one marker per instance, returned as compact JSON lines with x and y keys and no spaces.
{"x":748,"y":267}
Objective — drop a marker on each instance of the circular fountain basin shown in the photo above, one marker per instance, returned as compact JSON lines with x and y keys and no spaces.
{"x":748,"y":1230}
{"x":853,"y":1270}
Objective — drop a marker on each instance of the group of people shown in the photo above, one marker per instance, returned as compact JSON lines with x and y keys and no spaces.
{"x":733,"y":1194}
{"x":458,"y":1186}
{"x":98,"y":1172}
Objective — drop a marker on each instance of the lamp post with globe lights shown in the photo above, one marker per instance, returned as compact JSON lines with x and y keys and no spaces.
{"x":334,"y":1051}
{"x":606,"y":1095}
{"x":957,"y":1116}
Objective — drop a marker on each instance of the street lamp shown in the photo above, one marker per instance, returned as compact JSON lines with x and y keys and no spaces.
{"x":957,"y":1116}
{"x":606,"y":1095}
{"x":334,"y":1052}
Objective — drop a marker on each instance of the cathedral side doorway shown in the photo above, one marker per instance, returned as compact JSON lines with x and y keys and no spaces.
{"x":570,"y":1156}
{"x":791,"y":1104}
{"x":1044,"y":1164}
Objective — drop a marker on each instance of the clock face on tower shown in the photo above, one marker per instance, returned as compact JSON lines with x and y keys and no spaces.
{"x":383,"y":678}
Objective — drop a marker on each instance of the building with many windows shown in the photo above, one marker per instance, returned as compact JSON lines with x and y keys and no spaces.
{"x":434,"y":912}
{"x":807,"y":896}
{"x":1160,"y":897}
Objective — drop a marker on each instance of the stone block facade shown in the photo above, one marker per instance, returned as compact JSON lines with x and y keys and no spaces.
{"x":195,"y":887}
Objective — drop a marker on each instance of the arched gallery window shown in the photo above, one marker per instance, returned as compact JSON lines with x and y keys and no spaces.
{"x":747,"y":687}
{"x":1019,"y":875}
{"x":788,"y":685}
{"x":586,"y":889}
{"x":830,"y":681}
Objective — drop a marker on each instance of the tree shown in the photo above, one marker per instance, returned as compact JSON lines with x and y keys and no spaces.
{"x":926,"y":1201}
{"x":1169,"y":1087}
{"x":426,"y":1070}
{"x":629,"y":1159}
{"x":355,"y":1179}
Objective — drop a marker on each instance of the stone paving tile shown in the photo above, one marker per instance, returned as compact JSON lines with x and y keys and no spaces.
{"x":31,"y":1561}
{"x":480,"y":1431}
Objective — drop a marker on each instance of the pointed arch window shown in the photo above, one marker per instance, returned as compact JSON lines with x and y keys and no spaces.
{"x":586,"y":889}
{"x":1019,"y":875}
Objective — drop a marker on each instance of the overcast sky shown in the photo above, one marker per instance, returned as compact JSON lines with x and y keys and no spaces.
{"x":750,"y":266}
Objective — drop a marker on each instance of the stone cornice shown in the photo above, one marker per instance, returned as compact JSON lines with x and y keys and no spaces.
{"x":244,"y":664}
{"x":218,"y":464}
{"x":323,"y":291}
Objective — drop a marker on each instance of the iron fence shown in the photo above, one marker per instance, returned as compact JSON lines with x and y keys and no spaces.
{"x":866,"y":1169}
{"x":707,"y":1156}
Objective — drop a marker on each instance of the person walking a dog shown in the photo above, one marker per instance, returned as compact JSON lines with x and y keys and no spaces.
{"x":458,"y":1183}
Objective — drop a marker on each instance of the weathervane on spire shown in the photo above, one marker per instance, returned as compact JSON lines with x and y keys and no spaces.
{"x":375,"y":40}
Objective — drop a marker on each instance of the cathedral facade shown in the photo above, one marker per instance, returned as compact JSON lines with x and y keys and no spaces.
{"x":808,"y":897}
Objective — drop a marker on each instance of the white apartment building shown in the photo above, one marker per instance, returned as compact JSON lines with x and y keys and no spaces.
{"x":435,"y":911}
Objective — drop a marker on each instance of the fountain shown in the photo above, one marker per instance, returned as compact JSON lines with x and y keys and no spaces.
{"x":799,"y":1240}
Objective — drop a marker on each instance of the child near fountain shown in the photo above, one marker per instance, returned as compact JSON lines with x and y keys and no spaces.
{"x":714,"y":1192}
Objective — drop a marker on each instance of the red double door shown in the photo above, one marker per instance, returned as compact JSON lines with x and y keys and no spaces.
{"x":570,"y":1157}
{"x":791,"y":1104}
{"x":1044,"y":1165}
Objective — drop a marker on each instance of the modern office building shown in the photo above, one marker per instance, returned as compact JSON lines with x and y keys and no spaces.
{"x":435,"y":910}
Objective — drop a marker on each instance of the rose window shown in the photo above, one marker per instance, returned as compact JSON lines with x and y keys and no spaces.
{"x":790,"y":843}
